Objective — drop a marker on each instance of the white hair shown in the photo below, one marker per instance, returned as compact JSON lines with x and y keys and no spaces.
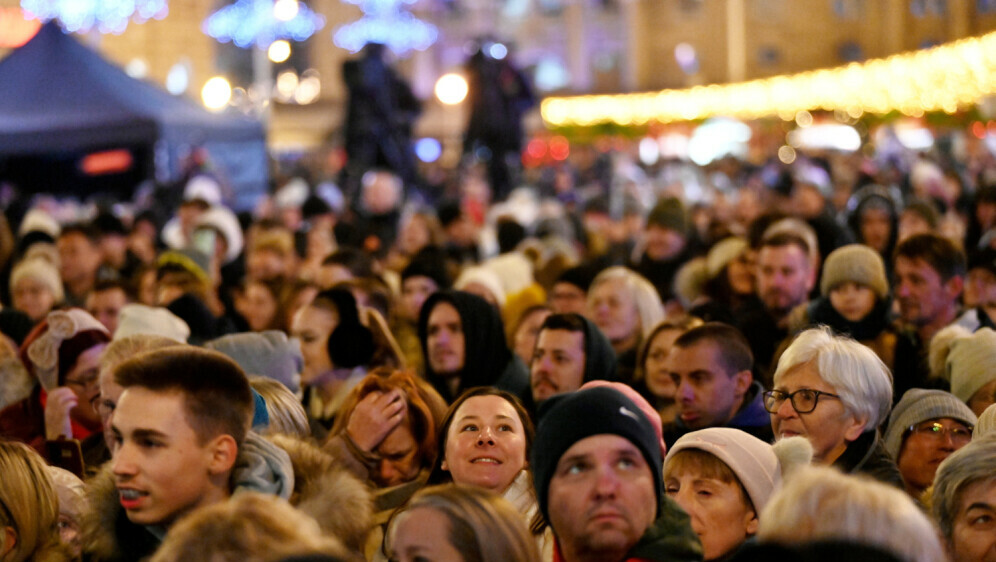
{"x":645,"y":296}
{"x":821,"y":503}
{"x":861,"y":379}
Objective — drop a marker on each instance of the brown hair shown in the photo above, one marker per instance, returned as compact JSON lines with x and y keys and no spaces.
{"x":217,"y":397}
{"x":705,"y":465}
{"x":682,"y":324}
{"x":426,"y":407}
{"x":483,"y":527}
{"x":438,"y":475}
{"x":734,"y":350}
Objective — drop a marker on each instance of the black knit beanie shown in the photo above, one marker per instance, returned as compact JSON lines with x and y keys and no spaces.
{"x":568,"y":418}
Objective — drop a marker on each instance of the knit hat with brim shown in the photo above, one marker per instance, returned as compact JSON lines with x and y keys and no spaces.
{"x":758,"y":465}
{"x":971,"y":363}
{"x":856,"y":263}
{"x":269,"y":353}
{"x":919,"y":405}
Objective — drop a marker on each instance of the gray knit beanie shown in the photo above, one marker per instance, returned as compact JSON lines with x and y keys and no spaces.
{"x":971,"y":363}
{"x":919,"y":405}
{"x":669,"y":213}
{"x":857,"y":263}
{"x":270,"y":354}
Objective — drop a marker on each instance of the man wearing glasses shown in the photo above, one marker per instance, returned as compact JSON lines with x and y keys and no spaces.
{"x":835,"y":392}
{"x":925,"y":427}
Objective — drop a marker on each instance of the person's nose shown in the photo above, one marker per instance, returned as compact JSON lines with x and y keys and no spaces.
{"x":685,"y":392}
{"x":485,"y":437}
{"x":123,"y":461}
{"x":386,"y":471}
{"x":606,"y":482}
{"x":786,"y":410}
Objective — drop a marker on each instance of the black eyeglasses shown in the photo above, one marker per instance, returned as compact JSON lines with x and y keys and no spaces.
{"x":803,"y":400}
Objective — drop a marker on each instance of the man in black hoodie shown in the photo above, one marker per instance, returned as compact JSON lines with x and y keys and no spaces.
{"x":570,"y":351}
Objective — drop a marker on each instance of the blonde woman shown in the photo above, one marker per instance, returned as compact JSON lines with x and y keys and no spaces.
{"x":29,"y":508}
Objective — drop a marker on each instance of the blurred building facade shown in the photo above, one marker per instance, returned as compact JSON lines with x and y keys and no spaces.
{"x":565,"y":46}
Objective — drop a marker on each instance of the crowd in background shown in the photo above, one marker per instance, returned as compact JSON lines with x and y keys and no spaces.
{"x":615,"y":362}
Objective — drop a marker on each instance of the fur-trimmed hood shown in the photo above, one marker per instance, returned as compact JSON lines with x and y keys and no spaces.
{"x":322,"y":489}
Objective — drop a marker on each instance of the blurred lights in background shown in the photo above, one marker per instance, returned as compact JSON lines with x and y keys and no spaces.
{"x":945,"y":78}
{"x":15,"y":28}
{"x":279,"y":51}
{"x":107,"y":16}
{"x":451,"y":89}
{"x":216,"y":93}
{"x":261,"y":22}
{"x":428,"y":150}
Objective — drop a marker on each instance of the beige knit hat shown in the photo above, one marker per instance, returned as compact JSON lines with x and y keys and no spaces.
{"x":971,"y":363}
{"x":40,"y":270}
{"x":856,"y":263}
{"x":722,"y":253}
{"x":758,"y":465}
{"x":986,"y":426}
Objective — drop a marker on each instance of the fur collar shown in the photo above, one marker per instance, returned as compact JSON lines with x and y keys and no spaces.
{"x":337,"y":500}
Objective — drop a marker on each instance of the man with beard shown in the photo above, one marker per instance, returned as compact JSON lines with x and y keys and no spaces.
{"x":785,"y":276}
{"x":570,"y":351}
{"x":463,"y":341}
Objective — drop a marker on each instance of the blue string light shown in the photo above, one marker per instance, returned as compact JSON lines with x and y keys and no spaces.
{"x":108,"y":16}
{"x":385,"y":22}
{"x":252,"y":22}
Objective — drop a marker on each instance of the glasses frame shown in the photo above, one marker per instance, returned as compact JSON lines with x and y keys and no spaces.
{"x":790,"y":396}
{"x":943,"y":433}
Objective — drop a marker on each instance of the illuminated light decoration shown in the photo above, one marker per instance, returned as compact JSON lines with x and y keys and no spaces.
{"x":216,"y":93}
{"x":537,"y":148}
{"x":560,"y":149}
{"x":946,"y":78}
{"x":258,"y":22}
{"x":650,"y":152}
{"x":786,"y":154}
{"x":385,"y":22}
{"x":718,"y":137}
{"x":106,"y":162}
{"x":107,"y":16}
{"x":451,"y":89}
{"x":826,"y":137}
{"x":428,"y":150}
{"x":279,"y":51}
{"x":15,"y":28}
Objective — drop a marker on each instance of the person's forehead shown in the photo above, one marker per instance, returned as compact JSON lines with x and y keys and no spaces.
{"x":602,"y":444}
{"x":918,"y":264}
{"x":782,"y":253}
{"x":560,"y":339}
{"x":567,"y":289}
{"x":444,"y":312}
{"x":143,"y":408}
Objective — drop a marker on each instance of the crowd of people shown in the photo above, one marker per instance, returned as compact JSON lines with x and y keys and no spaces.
{"x":797,"y":362}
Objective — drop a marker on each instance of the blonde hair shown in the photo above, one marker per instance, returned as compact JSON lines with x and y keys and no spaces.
{"x":251,"y":527}
{"x":482,"y":525}
{"x":27,"y":501}
{"x":646,"y":299}
{"x":820,"y":503}
{"x":287,"y":415}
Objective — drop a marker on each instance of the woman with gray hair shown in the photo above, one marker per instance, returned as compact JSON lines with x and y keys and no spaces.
{"x":835,"y":392}
{"x":964,"y":501}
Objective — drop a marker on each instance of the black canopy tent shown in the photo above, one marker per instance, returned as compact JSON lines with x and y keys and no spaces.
{"x":60,"y":101}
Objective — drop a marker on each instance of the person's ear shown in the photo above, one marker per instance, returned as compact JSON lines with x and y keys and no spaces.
{"x":742,"y":382}
{"x":444,"y":466}
{"x":7,"y":541}
{"x":855,"y":427}
{"x":954,"y":286}
{"x":751,"y":523}
{"x":224,"y":451}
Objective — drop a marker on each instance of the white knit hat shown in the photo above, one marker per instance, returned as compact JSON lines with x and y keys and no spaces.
{"x":136,"y":319}
{"x":986,"y":424}
{"x":759,"y":466}
{"x":971,"y":363}
{"x":223,"y":220}
{"x":722,"y":253}
{"x":40,"y":270}
{"x":483,"y":276}
{"x":37,"y":220}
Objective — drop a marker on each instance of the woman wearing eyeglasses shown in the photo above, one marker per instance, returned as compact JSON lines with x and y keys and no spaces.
{"x":835,"y":392}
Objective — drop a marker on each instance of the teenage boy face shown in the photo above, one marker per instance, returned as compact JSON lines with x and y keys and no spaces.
{"x":161,"y":470}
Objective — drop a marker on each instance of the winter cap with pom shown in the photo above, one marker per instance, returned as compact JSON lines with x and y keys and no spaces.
{"x":919,"y":405}
{"x":986,"y":426}
{"x":759,"y":466}
{"x":856,"y":263}
{"x":971,"y":363}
